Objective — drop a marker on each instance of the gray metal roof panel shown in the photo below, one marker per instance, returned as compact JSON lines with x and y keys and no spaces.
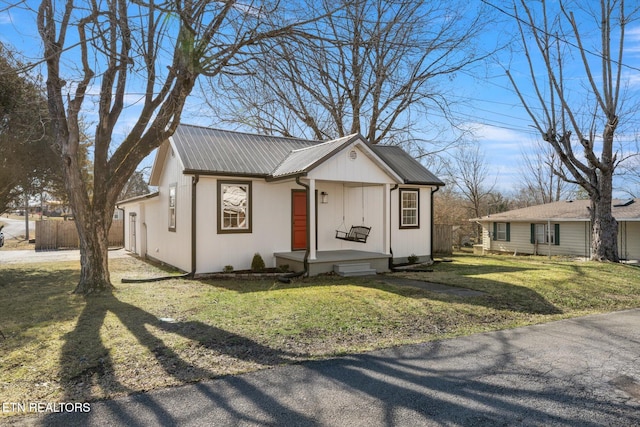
{"x":219,"y":151}
{"x":409,"y":169}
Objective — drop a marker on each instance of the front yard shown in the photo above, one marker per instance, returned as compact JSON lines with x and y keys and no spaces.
{"x":61,"y":347}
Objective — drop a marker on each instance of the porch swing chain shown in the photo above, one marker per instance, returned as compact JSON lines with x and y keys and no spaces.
{"x":362,"y":194}
{"x":343,"y":225}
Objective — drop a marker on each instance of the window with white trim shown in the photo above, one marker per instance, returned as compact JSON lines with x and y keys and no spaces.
{"x":234,"y":207}
{"x":501,"y":231}
{"x":544,"y":234}
{"x":409,"y":208}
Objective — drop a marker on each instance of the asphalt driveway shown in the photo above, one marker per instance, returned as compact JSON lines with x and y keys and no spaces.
{"x":580,"y":372}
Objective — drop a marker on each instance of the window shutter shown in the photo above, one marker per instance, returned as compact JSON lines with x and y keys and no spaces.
{"x":508,"y":232}
{"x":495,"y":231}
{"x":557,"y":233}
{"x":533,"y":233}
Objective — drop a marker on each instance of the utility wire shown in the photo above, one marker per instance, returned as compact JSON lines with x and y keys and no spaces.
{"x":555,"y":36}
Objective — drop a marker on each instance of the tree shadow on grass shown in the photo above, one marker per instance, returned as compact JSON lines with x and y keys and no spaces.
{"x":86,"y":362}
{"x":32,"y":297}
{"x":481,"y":292}
{"x":491,"y":379}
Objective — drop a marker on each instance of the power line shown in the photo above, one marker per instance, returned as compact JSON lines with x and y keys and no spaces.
{"x":555,"y":36}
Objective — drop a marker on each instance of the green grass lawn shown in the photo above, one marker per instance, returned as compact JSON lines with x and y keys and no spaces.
{"x":62,"y":347}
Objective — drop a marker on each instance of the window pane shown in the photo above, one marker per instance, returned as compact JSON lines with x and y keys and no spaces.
{"x":172,"y":207}
{"x":501,"y":231}
{"x":409,"y":214}
{"x":234,"y":206}
{"x":409,"y":200}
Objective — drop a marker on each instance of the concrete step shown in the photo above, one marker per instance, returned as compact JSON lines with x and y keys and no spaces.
{"x":354,"y":269}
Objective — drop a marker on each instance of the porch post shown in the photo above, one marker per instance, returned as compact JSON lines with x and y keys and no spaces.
{"x":386,"y":219}
{"x":312,"y":219}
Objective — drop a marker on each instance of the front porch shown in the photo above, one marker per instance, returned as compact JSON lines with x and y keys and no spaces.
{"x":325,"y":261}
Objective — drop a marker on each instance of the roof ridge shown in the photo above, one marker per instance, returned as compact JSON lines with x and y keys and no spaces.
{"x":331,"y":141}
{"x":293,"y":138}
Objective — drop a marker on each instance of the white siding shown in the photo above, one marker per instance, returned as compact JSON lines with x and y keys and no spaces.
{"x":172,"y":247}
{"x":411,"y":241}
{"x":134,"y":209}
{"x":355,"y":212}
{"x":342,"y":168}
{"x":271,"y":226}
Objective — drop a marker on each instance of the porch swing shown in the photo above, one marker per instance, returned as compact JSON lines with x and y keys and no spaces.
{"x":357,"y":233}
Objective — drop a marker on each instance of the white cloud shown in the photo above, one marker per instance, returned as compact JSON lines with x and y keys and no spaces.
{"x":6,"y":18}
{"x":485,"y":132}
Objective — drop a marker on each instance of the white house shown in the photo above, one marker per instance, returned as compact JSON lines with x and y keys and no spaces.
{"x":224,"y":196}
{"x":560,"y":228}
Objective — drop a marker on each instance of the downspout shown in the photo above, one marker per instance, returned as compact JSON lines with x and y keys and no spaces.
{"x":306,"y":253}
{"x":395,"y":187}
{"x":194,"y":182}
{"x":286,"y":278}
{"x":431,"y":219}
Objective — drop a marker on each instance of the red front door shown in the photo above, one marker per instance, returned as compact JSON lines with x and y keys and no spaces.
{"x":299,"y":219}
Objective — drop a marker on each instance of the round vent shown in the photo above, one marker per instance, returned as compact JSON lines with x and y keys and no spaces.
{"x":353,"y":154}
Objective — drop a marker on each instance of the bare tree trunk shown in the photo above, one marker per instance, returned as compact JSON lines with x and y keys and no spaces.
{"x":94,"y":260}
{"x":604,"y":242}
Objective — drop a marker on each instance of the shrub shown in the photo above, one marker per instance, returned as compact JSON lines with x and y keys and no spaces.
{"x":257,"y":263}
{"x":227,"y":269}
{"x":413,"y":259}
{"x":284,"y":268}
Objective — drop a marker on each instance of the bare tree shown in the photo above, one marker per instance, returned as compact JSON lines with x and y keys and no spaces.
{"x":470,"y":174}
{"x":540,"y":181}
{"x":383,"y":69}
{"x":116,"y":44}
{"x":582,"y":128}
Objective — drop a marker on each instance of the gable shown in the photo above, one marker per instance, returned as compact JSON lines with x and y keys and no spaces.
{"x":355,"y":162}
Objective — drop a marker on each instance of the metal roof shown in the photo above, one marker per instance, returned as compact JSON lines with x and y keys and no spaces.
{"x":220,"y":152}
{"x":406,"y":166}
{"x":568,"y":210}
{"x":216,"y":151}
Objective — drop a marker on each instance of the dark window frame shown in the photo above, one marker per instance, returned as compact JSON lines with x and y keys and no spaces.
{"x":403,"y":191}
{"x":249,"y":207}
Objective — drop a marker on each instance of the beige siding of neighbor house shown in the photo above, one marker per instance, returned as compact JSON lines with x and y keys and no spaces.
{"x":629,"y":240}
{"x":574,"y":240}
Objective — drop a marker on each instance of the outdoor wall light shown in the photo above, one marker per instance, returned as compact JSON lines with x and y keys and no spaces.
{"x":324,"y":197}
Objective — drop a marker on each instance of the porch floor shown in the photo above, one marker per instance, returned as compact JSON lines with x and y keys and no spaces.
{"x":325,"y":260}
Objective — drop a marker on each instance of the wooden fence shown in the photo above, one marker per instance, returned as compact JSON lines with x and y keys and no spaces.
{"x":52,"y":235}
{"x":442,"y":239}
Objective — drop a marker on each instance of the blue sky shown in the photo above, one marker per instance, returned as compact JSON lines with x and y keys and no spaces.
{"x":492,"y":111}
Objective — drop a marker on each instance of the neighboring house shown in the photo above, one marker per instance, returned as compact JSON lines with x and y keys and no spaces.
{"x":224,"y":196}
{"x":560,"y":228}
